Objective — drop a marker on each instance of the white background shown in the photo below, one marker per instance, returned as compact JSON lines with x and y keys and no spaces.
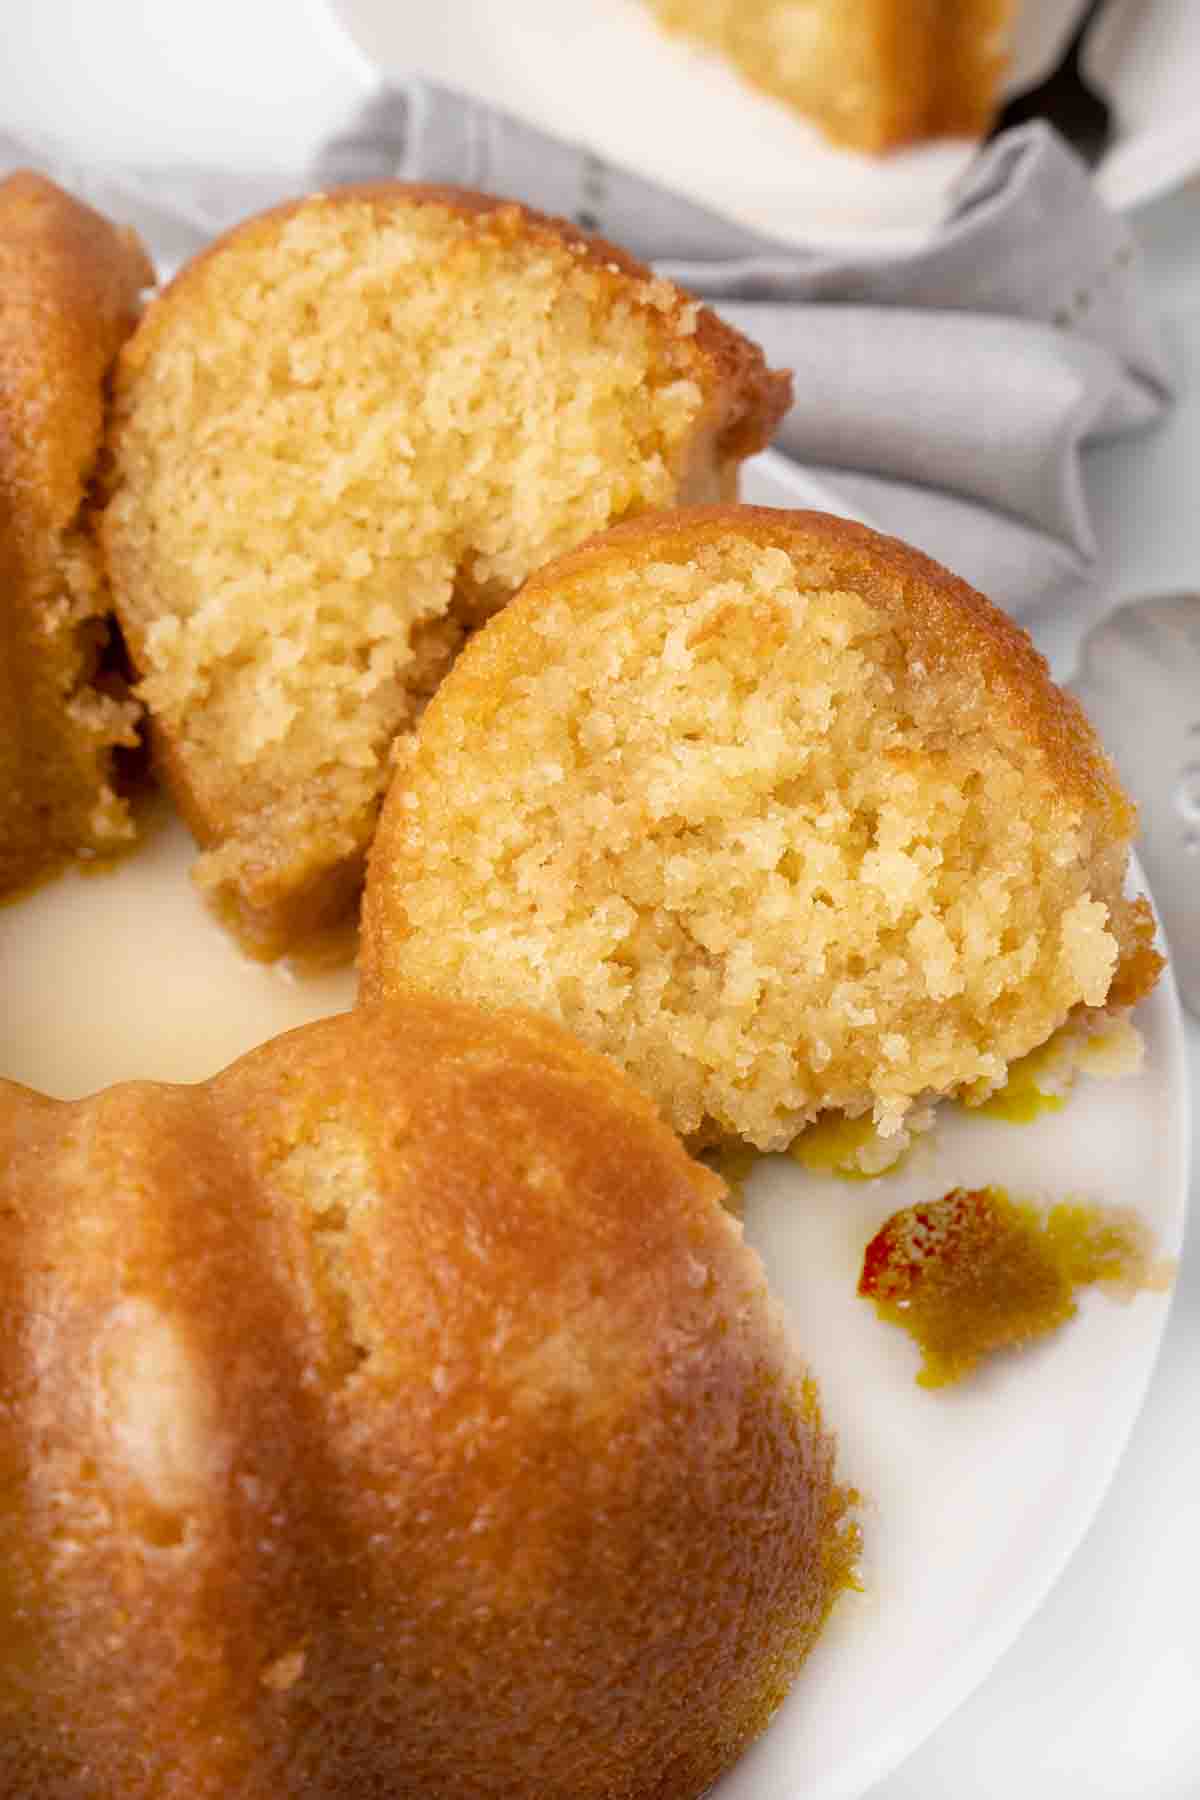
{"x":1100,"y":1697}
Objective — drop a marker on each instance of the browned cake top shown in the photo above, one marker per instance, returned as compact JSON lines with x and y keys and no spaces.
{"x":402,"y":1413}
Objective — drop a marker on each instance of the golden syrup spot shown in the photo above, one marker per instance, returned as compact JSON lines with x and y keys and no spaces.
{"x":976,"y":1272}
{"x":1110,"y":1247}
{"x":851,"y":1149}
{"x":1116,"y":1050}
{"x":1105,"y":1046}
{"x":1028,"y":1092}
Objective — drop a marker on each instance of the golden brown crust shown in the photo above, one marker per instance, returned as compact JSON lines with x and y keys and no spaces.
{"x":476,"y":1460}
{"x":750,"y":400}
{"x":94,"y":1555}
{"x":69,"y":295}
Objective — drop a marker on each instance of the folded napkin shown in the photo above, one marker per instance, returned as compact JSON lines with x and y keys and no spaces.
{"x":944,"y":392}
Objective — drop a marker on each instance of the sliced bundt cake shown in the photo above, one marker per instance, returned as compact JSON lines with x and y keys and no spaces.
{"x":402,"y":1413}
{"x":774,"y":810}
{"x":344,"y":437}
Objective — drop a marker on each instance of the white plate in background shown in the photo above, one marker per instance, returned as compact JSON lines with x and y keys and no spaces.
{"x":976,"y":1497}
{"x":127,"y":83}
{"x":602,"y":72}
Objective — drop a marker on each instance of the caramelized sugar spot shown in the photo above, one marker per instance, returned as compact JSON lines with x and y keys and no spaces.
{"x":976,"y":1272}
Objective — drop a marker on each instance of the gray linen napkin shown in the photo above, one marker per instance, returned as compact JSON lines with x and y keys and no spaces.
{"x":944,"y":392}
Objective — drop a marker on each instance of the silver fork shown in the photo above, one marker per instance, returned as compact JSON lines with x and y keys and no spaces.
{"x":1067,"y":99}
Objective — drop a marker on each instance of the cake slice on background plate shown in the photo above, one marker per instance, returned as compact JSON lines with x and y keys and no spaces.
{"x":871,"y":74}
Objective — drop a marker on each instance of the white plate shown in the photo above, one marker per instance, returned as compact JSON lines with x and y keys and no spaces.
{"x":976,"y":1497}
{"x":601,"y":71}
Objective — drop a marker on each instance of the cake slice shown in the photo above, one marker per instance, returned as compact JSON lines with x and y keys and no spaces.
{"x":70,"y":286}
{"x":774,"y":810}
{"x":343,"y":438}
{"x":871,"y":74}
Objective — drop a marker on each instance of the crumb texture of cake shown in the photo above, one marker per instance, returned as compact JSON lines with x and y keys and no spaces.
{"x":400,"y":1412}
{"x":872,"y":74}
{"x":774,"y":810}
{"x":70,"y":286}
{"x":343,"y":437}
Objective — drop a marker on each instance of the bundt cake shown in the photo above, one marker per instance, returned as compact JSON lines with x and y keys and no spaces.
{"x":399,"y":1413}
{"x":70,"y":284}
{"x":774,"y":810}
{"x":343,"y":437}
{"x":872,"y":74}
